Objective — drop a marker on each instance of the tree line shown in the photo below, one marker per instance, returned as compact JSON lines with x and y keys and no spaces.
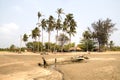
{"x":95,"y":38}
{"x":67,"y":26}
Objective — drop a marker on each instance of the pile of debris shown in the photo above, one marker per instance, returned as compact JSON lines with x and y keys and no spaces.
{"x":56,"y":61}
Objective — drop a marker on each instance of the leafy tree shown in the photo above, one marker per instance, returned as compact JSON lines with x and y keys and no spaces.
{"x":103,"y":29}
{"x":30,"y":45}
{"x":111,"y":44}
{"x":68,"y":46}
{"x":87,"y":37}
{"x":33,"y":46}
{"x":63,"y":39}
{"x":88,"y":45}
{"x":12,"y":47}
{"x":47,"y":48}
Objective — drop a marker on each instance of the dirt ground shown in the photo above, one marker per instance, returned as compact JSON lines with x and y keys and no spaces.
{"x":99,"y":66}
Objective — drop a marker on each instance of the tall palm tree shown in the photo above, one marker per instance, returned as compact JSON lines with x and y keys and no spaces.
{"x":50,"y":26}
{"x":39,"y":16}
{"x":65,"y":25}
{"x":58,"y":24}
{"x":72,"y":29}
{"x":70,"y":25}
{"x":58,"y":27}
{"x":43,"y":25}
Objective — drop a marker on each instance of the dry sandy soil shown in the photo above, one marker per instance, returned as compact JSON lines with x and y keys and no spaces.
{"x":99,"y":66}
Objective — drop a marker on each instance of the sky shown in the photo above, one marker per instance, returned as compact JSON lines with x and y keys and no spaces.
{"x":20,"y":16}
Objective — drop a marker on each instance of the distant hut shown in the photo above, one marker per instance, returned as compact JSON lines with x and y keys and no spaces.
{"x":75,"y":49}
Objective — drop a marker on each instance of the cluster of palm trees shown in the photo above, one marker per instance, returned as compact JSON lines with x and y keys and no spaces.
{"x":67,"y":26}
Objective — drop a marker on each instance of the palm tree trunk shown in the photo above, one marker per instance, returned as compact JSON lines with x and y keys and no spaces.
{"x":98,"y":47}
{"x":87,"y":45}
{"x":38,"y":43}
{"x":20,"y":43}
{"x":48,"y":40}
{"x":42,"y":41}
{"x":70,"y":38}
{"x":56,"y":41}
{"x":34,"y":46}
{"x":57,"y":37}
{"x":69,"y":42}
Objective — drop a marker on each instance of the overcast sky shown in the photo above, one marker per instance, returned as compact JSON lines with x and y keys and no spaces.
{"x":20,"y":16}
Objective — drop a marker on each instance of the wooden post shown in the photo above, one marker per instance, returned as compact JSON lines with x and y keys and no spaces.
{"x":44,"y":62}
{"x":55,"y":62}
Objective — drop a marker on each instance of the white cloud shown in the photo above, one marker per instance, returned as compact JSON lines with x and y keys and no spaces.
{"x":8,"y":34}
{"x":8,"y":29}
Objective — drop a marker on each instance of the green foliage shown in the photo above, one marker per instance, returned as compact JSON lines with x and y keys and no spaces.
{"x":51,"y":47}
{"x":33,"y":46}
{"x":35,"y":33}
{"x":63,"y":39}
{"x":116,"y":48}
{"x":67,"y":47}
{"x":13,"y":48}
{"x":102,"y":29}
{"x":69,"y":25}
{"x":111,"y":45}
{"x":89,"y":44}
{"x":48,"y":47}
{"x":4,"y":49}
{"x":25,"y":38}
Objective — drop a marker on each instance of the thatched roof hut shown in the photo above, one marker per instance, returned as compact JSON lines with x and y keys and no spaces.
{"x":75,"y":49}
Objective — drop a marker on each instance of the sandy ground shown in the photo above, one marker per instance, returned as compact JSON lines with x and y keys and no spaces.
{"x":100,"y":66}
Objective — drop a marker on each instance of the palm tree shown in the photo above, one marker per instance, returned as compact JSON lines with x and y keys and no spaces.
{"x":39,"y":15}
{"x":87,"y":36}
{"x":35,"y":34}
{"x":58,"y":24}
{"x":25,"y":37}
{"x":70,"y":25}
{"x":50,"y":26}
{"x":58,"y":27}
{"x":72,"y":29}
{"x":65,"y":25}
{"x":43,"y":25}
